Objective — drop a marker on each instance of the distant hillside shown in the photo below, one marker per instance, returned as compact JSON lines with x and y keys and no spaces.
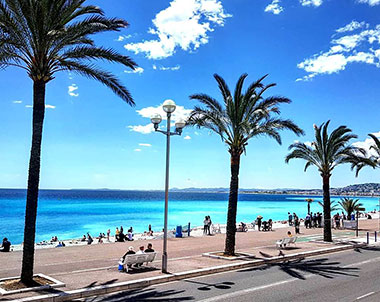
{"x":368,"y":189}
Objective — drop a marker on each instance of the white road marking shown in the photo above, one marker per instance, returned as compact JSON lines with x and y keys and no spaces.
{"x":253,"y":289}
{"x":366,"y":295}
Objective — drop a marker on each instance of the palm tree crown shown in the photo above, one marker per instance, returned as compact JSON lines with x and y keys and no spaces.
{"x":44,"y":37}
{"x":242,"y":115}
{"x":327,"y":151}
{"x":350,"y":205}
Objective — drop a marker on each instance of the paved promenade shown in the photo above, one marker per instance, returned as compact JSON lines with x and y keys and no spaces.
{"x":88,"y":266}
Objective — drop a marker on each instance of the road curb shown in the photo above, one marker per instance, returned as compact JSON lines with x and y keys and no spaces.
{"x":128,"y":285}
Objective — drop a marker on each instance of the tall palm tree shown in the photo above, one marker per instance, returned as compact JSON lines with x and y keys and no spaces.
{"x":350,"y":205}
{"x":327,"y":152}
{"x":242,"y":116}
{"x":309,"y":201}
{"x":44,"y":37}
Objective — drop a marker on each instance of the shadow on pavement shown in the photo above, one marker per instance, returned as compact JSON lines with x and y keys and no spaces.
{"x":144,"y":295}
{"x":208,"y":286}
{"x":321,"y":267}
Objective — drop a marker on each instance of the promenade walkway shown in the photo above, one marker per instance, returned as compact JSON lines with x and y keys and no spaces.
{"x":88,"y":266}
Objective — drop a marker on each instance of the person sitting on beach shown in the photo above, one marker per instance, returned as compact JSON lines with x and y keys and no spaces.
{"x":6,"y":246}
{"x":130,"y":230}
{"x":270,"y":224}
{"x":129,"y":236}
{"x":150,"y":233}
{"x":89,"y":239}
{"x":83,"y":238}
{"x":149,"y":249}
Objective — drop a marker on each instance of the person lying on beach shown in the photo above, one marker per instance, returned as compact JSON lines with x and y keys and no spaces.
{"x":6,"y":246}
{"x":61,"y":244}
{"x":149,"y":249}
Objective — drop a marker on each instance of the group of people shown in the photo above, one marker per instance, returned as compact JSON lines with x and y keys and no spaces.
{"x":142,"y":250}
{"x":121,"y":237}
{"x":263,"y":225}
{"x":313,"y":220}
{"x":207,"y":225}
{"x":294,"y":220}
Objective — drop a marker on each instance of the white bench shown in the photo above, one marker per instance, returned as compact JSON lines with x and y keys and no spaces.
{"x":286,"y":242}
{"x":137,"y":259}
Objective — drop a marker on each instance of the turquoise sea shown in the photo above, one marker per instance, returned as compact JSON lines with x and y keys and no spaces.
{"x":72,"y":213}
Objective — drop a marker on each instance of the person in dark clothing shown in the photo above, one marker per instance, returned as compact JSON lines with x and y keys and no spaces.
{"x":149,"y":248}
{"x":296,"y":224}
{"x":6,"y":246}
{"x":259,"y":218}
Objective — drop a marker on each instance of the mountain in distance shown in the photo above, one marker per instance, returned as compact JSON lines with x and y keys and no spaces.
{"x":368,"y":189}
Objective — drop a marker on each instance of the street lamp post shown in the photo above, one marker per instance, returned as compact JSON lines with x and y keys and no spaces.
{"x":169,"y":107}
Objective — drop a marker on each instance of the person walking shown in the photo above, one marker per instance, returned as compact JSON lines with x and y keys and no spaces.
{"x":296,"y":224}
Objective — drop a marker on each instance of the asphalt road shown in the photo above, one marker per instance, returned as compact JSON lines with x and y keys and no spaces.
{"x":345,"y":276}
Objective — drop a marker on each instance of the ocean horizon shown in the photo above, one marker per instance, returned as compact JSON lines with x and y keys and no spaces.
{"x":70,"y":214}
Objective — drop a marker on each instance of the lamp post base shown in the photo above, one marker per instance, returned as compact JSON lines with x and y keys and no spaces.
{"x":164,"y":263}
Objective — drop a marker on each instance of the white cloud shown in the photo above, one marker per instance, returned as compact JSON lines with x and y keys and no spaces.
{"x":352,"y":26}
{"x":274,"y":7}
{"x":142,"y":129}
{"x":370,"y":2}
{"x":17,"y":102}
{"x":187,"y":137}
{"x":71,"y":90}
{"x":138,"y":70}
{"x":47,"y":106}
{"x":184,"y":24}
{"x":145,"y":145}
{"x":315,"y":3}
{"x":123,"y":37}
{"x":137,"y":150}
{"x":173,"y":68}
{"x":359,"y":44}
{"x":367,"y":143}
{"x":179,"y":113}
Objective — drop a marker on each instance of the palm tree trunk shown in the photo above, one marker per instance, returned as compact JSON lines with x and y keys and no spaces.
{"x":232,"y":206}
{"x":33,"y":182}
{"x":327,"y":236}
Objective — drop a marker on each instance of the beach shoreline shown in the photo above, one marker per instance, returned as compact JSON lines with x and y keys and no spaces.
{"x":196,"y":231}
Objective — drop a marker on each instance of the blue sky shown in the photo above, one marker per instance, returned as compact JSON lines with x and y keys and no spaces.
{"x":324,"y":55}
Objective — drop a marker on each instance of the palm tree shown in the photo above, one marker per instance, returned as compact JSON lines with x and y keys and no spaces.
{"x":327,"y":152}
{"x":350,"y":205}
{"x":333,"y":206}
{"x":242,"y":116}
{"x":309,"y":201}
{"x":374,"y":159}
{"x":44,"y":37}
